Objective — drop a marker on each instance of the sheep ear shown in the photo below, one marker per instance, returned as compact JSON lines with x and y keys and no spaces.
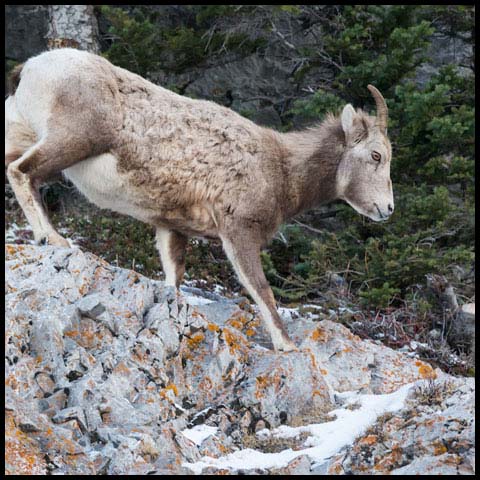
{"x":348,"y":114}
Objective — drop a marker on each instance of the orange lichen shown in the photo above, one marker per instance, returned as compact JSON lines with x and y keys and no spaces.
{"x":22,"y":454}
{"x":335,"y":469}
{"x":134,"y":278}
{"x":368,"y":440}
{"x":88,"y":336}
{"x":121,"y":368}
{"x":236,"y":324}
{"x":83,"y":289}
{"x":453,"y":459}
{"x":391,"y":460}
{"x":439,"y":448}
{"x":319,"y":335}
{"x":194,"y":341}
{"x":172,"y":387}
{"x":12,"y":249}
{"x":263,"y":382}
{"x":11,"y":381}
{"x":242,"y":323}
{"x":213,"y":327}
{"x":425,"y":370}
{"x":233,"y":340}
{"x":71,"y":333}
{"x":164,"y":392}
{"x":206,"y":384}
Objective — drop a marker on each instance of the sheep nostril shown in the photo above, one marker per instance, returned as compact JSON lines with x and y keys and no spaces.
{"x":390,"y":208}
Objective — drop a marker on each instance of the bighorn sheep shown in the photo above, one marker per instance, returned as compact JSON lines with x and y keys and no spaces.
{"x":187,"y":167}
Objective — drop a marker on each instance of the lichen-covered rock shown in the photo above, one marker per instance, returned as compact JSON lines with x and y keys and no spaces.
{"x":110,"y":373}
{"x":433,"y":435}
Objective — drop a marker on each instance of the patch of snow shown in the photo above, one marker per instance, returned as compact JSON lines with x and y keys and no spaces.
{"x":263,"y":433}
{"x":413,"y":355}
{"x":345,"y":309}
{"x":414,"y":345}
{"x":219,"y":289}
{"x":179,"y":407}
{"x":194,"y":300}
{"x":293,"y":313}
{"x":288,"y":313}
{"x":199,"y":433}
{"x":311,"y":305}
{"x":326,"y":439}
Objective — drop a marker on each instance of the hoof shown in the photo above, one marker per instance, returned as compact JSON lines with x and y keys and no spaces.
{"x":56,"y":240}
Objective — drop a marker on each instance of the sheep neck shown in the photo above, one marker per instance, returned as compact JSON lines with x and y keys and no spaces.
{"x":312,"y":157}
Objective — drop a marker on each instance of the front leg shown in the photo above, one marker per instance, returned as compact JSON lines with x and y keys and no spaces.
{"x":171,"y":246}
{"x":244,"y":254}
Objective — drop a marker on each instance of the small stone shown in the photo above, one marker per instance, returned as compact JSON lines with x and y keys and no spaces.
{"x":435,"y":334}
{"x":71,"y":413}
{"x":91,"y":306}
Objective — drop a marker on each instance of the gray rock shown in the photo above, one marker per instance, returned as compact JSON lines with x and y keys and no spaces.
{"x":286,"y":389}
{"x":298,"y":466}
{"x":430,"y":465}
{"x":71,"y":413}
{"x":25,"y":28}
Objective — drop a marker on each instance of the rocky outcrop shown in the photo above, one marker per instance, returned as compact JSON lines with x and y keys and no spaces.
{"x":109,"y":372}
{"x":434,"y":434}
{"x":26,"y":27}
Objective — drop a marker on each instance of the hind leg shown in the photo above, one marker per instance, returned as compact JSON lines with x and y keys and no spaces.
{"x":26,"y":191}
{"x":25,"y":174}
{"x":171,"y":246}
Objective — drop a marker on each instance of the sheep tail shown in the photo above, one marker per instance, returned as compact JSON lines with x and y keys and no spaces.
{"x":14,"y":79}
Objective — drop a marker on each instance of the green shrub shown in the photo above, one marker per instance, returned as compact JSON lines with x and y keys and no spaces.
{"x":380,"y":297}
{"x":135,"y":40}
{"x":432,"y":132}
{"x":139,"y":44}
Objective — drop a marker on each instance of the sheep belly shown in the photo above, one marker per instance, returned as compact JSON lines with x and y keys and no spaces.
{"x":98,"y":179}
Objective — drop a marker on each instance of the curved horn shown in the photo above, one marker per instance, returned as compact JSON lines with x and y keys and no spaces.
{"x":382,"y":110}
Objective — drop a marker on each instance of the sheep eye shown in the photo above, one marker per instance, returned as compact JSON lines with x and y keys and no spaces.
{"x":376,"y":156}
